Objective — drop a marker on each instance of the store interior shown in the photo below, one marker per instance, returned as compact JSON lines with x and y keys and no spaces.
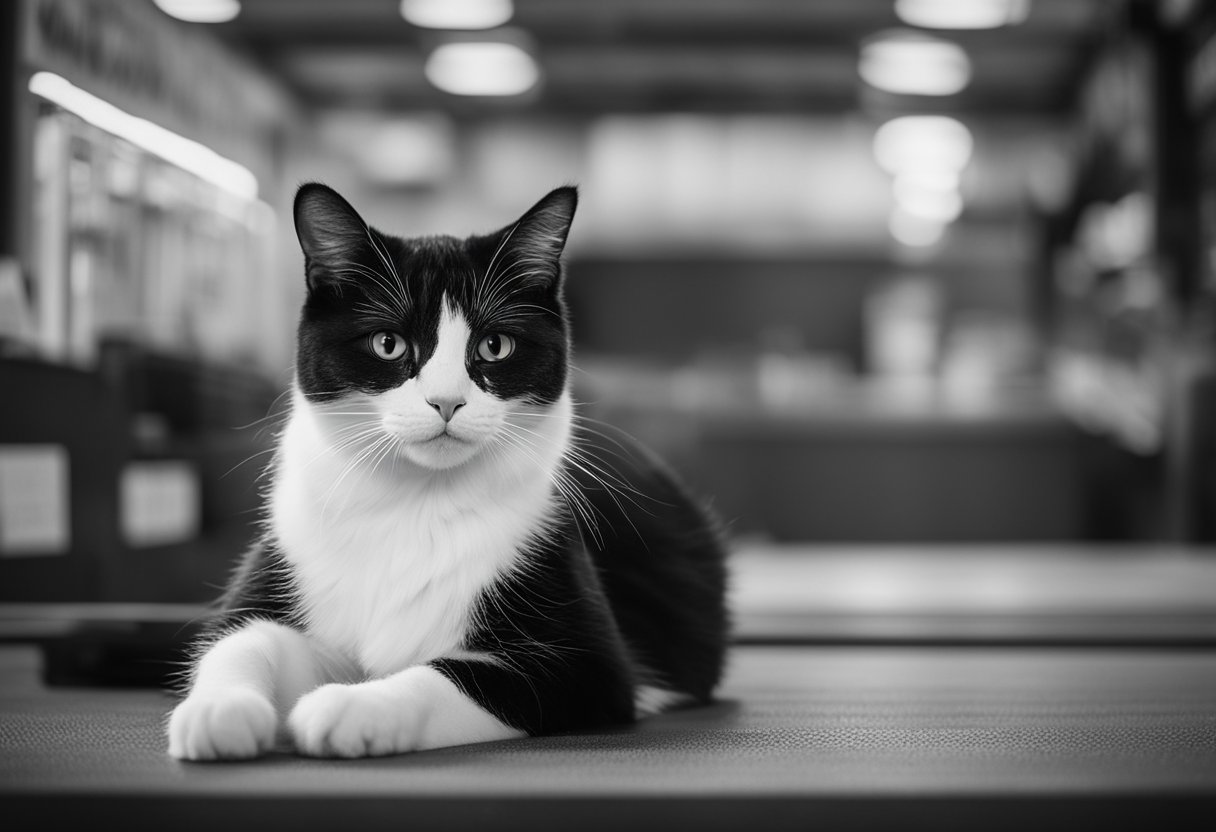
{"x":918,"y":295}
{"x":870,"y":312}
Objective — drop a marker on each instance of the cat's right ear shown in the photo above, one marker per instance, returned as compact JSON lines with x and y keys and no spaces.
{"x":330,"y":231}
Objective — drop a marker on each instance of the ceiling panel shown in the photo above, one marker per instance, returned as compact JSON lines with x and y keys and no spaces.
{"x":654,"y":55}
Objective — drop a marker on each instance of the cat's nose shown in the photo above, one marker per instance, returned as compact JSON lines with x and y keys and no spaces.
{"x":446,"y":407}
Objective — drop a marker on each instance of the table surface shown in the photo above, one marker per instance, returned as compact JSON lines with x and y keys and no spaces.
{"x":871,"y":688}
{"x":1038,"y":735}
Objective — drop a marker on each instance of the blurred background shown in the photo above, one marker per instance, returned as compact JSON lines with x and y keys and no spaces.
{"x":881,"y":278}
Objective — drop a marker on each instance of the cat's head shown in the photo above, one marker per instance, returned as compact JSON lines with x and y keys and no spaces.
{"x":433,"y":348}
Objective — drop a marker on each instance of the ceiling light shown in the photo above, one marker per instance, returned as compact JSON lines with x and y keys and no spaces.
{"x":962,"y":14}
{"x":914,"y":231}
{"x":186,"y":154}
{"x":928,"y":179}
{"x":482,"y":68}
{"x":200,"y":11}
{"x":911,"y":63}
{"x":457,"y":14}
{"x":928,"y":145}
{"x":931,"y":204}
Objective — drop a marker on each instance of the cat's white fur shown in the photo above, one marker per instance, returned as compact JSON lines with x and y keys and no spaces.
{"x":391,"y":560}
{"x":394,"y":521}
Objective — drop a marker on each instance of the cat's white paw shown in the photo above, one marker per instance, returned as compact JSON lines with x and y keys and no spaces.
{"x":233,"y":724}
{"x":361,"y":720}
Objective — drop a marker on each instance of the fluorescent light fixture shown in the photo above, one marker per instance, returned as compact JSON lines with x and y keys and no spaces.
{"x":482,"y":68}
{"x":914,"y":231}
{"x":200,"y":11}
{"x":186,"y":154}
{"x":923,"y":145}
{"x":911,"y":63}
{"x":457,"y":14}
{"x":962,"y":14}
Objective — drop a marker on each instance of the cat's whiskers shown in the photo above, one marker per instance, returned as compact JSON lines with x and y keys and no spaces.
{"x":585,"y":423}
{"x":516,"y":313}
{"x":614,"y":485}
{"x":249,"y":459}
{"x":500,"y":290}
{"x":397,"y":304}
{"x":493,"y":288}
{"x":566,"y":487}
{"x":352,"y":465}
{"x":345,"y":438}
{"x":382,"y":253}
{"x":600,"y":470}
{"x":352,"y":436}
{"x":488,"y":275}
{"x":381,"y":280}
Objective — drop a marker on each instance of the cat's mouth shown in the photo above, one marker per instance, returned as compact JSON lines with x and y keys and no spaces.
{"x":444,"y":438}
{"x":441,"y":450}
{"x":446,"y":433}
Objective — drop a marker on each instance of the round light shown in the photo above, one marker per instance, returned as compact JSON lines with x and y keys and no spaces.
{"x":962,"y":14}
{"x":200,"y":11}
{"x":479,"y":68}
{"x":914,"y":231}
{"x":457,"y":14}
{"x":910,"y":63}
{"x":931,"y":145}
{"x":930,"y":203}
{"x":928,"y":180}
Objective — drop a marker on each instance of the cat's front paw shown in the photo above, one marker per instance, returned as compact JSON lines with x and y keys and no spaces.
{"x":234,"y":724}
{"x":361,"y":720}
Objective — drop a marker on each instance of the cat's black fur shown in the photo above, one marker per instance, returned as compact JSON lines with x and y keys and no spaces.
{"x":626,"y":586}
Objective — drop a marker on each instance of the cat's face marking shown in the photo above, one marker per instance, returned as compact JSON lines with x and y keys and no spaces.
{"x":440,"y":416}
{"x":426,"y":349}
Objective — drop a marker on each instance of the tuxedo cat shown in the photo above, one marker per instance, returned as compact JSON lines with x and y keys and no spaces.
{"x":450,"y":554}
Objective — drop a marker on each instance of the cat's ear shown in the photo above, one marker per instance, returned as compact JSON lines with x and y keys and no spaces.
{"x":331,"y":232}
{"x":537,"y":239}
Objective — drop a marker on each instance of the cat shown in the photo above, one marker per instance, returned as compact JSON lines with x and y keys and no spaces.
{"x":450,"y":554}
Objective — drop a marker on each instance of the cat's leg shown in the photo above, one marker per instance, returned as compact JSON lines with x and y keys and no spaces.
{"x":415,"y":709}
{"x":241,"y":684}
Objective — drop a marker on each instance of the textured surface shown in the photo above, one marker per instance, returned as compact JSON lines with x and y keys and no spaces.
{"x":933,"y":737}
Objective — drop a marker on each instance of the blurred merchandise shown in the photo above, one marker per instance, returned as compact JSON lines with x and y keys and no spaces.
{"x":34,"y":503}
{"x":160,"y":503}
{"x":16,"y":316}
{"x":982,"y":353}
{"x":1129,"y":296}
{"x":133,"y":248}
{"x":145,"y":317}
{"x":903,"y":327}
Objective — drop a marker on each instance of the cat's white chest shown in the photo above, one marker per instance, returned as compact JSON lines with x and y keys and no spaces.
{"x":390,"y":576}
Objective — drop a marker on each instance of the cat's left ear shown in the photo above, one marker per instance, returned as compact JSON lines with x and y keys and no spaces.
{"x":537,"y":240}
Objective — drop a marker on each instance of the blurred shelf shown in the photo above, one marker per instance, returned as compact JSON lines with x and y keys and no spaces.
{"x":975,"y":594}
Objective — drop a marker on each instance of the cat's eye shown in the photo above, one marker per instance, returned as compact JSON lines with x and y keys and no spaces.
{"x":388,"y":346}
{"x":495,"y":347}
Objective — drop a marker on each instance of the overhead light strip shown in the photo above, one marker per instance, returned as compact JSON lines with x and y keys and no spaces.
{"x":482,"y":69}
{"x":200,"y":11}
{"x":186,"y":154}
{"x":457,"y":14}
{"x":910,"y":63}
{"x":962,"y":14}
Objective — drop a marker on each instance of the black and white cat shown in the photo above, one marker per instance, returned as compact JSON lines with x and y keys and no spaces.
{"x":451,"y":555}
